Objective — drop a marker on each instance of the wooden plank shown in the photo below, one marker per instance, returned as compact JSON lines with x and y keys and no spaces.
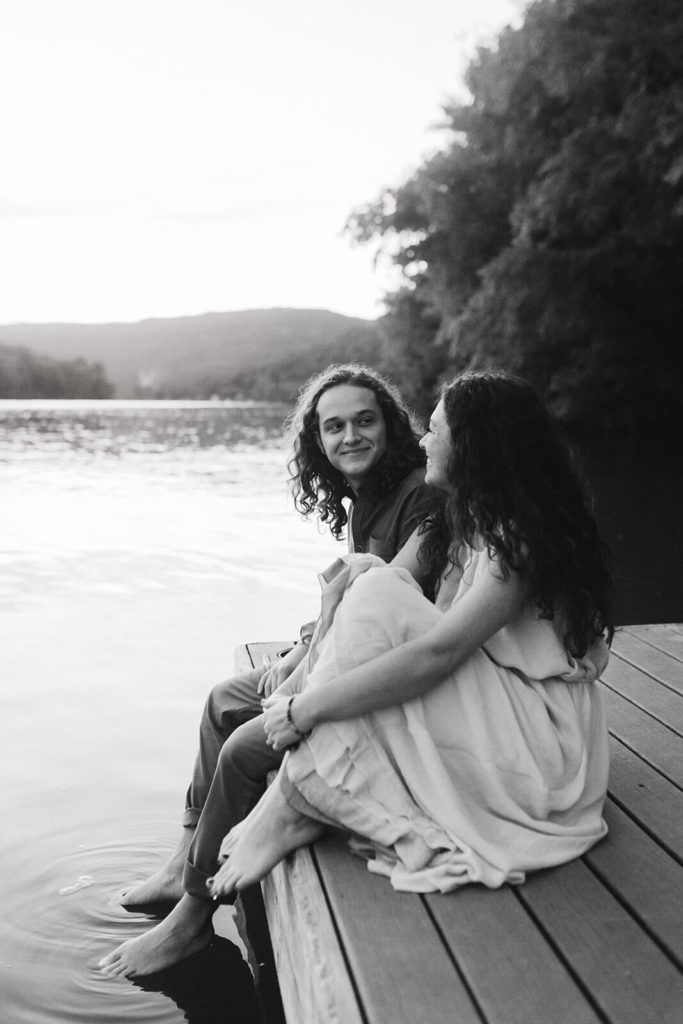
{"x":311,"y":967}
{"x":645,"y":692}
{"x":314,"y":982}
{"x":643,"y":876}
{"x":269,"y":649}
{"x":666,"y":636}
{"x":654,"y":802}
{"x":242,"y":660}
{"x":656,"y":744}
{"x":512,"y":971}
{"x":650,"y":660}
{"x":627,"y":975}
{"x":400,"y":966}
{"x":252,"y":927}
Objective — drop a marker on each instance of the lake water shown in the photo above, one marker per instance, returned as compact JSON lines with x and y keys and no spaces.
{"x":139,"y":544}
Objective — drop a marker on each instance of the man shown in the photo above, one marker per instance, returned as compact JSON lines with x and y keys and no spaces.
{"x":352,"y":439}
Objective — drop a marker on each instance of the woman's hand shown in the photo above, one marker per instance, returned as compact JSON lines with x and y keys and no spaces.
{"x":281,"y":669}
{"x":276,"y":725}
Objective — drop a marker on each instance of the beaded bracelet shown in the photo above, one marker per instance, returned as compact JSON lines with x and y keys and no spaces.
{"x":301,"y":735}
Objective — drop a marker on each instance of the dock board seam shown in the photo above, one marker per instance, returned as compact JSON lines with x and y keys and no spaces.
{"x":557,"y":950}
{"x":645,"y":640}
{"x":646,"y":672}
{"x":340,"y":941}
{"x":661,"y":843}
{"x":633,"y":913}
{"x":645,"y":760}
{"x":640,"y":707}
{"x":453,"y":959}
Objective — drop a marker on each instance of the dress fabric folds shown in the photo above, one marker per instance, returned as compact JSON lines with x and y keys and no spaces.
{"x":498,"y":770}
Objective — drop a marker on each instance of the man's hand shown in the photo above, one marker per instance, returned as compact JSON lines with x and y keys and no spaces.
{"x":281,"y":669}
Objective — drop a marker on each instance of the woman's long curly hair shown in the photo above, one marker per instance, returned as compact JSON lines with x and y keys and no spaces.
{"x":319,"y":487}
{"x":514,"y":485}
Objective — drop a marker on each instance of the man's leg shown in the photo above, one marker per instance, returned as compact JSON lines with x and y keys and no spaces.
{"x":228,"y":705}
{"x":239,"y":780}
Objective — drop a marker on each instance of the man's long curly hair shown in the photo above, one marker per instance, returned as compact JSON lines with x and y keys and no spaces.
{"x":516,"y":488}
{"x":319,"y":487}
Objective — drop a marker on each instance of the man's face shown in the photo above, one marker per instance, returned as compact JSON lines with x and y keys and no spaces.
{"x":353,"y":434}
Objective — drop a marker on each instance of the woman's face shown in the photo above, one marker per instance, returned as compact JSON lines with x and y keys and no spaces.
{"x":438,"y":446}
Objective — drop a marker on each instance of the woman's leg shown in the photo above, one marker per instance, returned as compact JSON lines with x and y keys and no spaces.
{"x":378,"y":612}
{"x":228,"y":706}
{"x":272,"y":831}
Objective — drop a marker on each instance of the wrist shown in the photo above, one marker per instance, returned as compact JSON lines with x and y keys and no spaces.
{"x":295,"y":724}
{"x":302,"y":713}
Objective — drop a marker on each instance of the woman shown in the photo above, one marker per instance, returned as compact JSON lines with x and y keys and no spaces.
{"x":464,"y":742}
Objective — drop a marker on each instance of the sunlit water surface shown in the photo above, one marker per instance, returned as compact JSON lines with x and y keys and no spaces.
{"x":139,"y":544}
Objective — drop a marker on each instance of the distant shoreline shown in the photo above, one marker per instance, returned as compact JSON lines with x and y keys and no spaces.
{"x":139,"y":403}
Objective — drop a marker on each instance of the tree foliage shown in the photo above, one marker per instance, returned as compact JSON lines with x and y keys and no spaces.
{"x":547,"y":235}
{"x":24,"y":374}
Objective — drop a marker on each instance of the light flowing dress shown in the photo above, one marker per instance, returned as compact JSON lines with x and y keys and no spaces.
{"x":498,"y":770}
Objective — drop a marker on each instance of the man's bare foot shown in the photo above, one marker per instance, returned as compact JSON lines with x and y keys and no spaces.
{"x":263,"y":841}
{"x":166,"y":884}
{"x":186,"y":930}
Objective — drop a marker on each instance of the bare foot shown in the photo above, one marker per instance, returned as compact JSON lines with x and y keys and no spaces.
{"x":266,"y":838}
{"x":166,"y":884}
{"x":231,"y":839}
{"x":186,"y":930}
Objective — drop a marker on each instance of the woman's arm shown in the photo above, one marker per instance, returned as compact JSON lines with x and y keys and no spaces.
{"x":415,"y":667}
{"x":406,"y":557}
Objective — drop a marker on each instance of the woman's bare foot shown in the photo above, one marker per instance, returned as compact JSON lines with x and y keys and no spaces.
{"x":263,"y":841}
{"x":166,"y":884}
{"x":231,"y":839}
{"x":186,"y":930}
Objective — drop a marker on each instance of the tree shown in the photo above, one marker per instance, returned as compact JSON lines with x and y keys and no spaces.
{"x":25,"y":374}
{"x":547,"y":236}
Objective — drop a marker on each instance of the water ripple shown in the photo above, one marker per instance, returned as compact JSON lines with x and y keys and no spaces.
{"x":57,"y":939}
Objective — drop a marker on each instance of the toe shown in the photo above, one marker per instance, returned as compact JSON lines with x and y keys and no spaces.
{"x":120,"y":971}
{"x":108,"y":961}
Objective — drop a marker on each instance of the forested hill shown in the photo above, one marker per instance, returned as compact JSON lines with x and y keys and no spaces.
{"x":264,"y":353}
{"x":25,"y":374}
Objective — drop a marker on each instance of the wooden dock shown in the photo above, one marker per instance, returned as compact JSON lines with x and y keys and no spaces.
{"x":597,"y":941}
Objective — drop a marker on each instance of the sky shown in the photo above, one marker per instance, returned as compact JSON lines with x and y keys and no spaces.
{"x":165,"y":158}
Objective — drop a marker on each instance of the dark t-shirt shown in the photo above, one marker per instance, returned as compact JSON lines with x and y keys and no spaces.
{"x":382,"y":527}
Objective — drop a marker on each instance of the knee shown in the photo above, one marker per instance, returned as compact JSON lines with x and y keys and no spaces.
{"x":227,"y":706}
{"x":235,"y":753}
{"x":377,"y":589}
{"x":216,"y":701}
{"x":245,"y":752}
{"x":231,"y":753}
{"x":386,"y":603}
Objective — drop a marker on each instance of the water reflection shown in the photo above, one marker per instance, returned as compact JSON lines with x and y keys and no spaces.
{"x":209,"y":985}
{"x":140,"y":543}
{"x":43,"y":429}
